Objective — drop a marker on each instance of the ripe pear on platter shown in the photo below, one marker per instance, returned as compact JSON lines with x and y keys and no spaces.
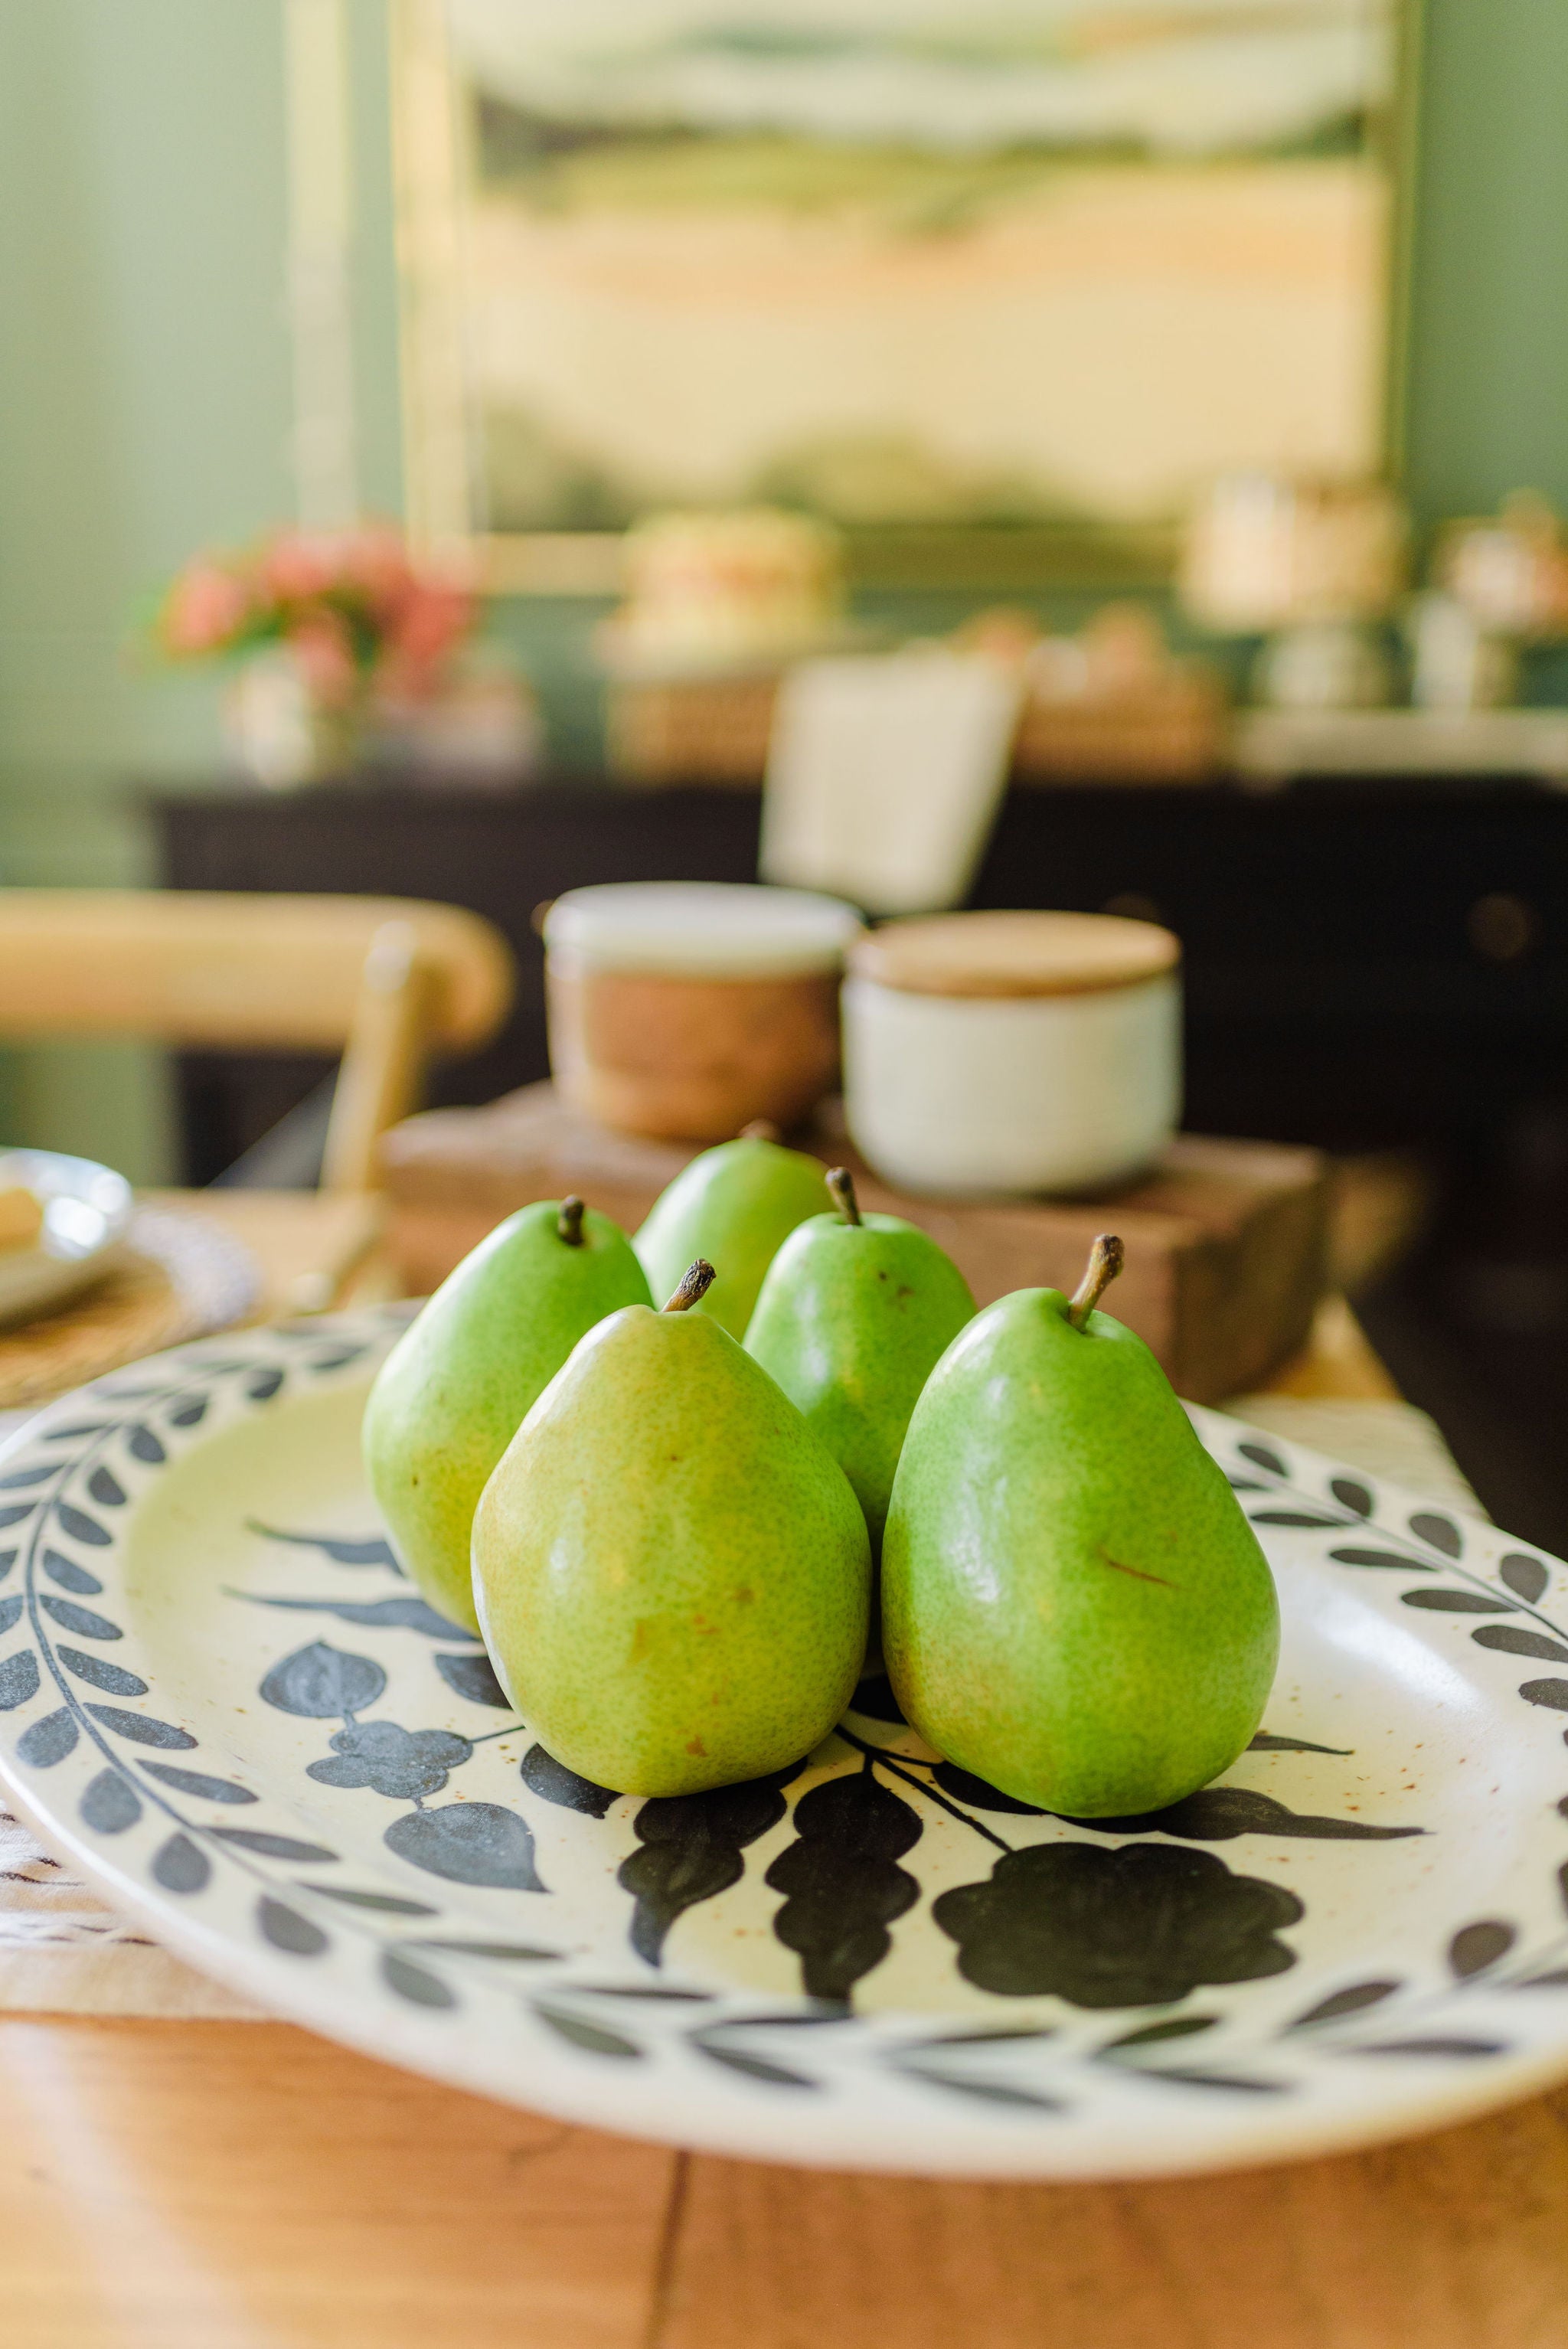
{"x":1074,"y":1605}
{"x":855,"y":1313}
{"x":452,"y":1393}
{"x":733,"y":1207}
{"x":671,"y":1572}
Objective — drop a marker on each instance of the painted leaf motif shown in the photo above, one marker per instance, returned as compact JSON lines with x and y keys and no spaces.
{"x":23,"y":1477}
{"x":70,"y":1575}
{"x":1345,"y":2002}
{"x":1457,"y":1602}
{"x":754,"y":2067}
{"x":691,"y":1851}
{"x":324,"y":1684}
{"x":107,"y":1489}
{"x":522,"y":1952}
{"x":196,"y":1782}
{"x":988,"y":2092}
{"x":469,"y":1843}
{"x":371,"y":1550}
{"x":1554,"y":1694}
{"x":376,"y":1614}
{"x":79,"y":1620}
{"x":1525,"y":1576}
{"x":1220,"y":1813}
{"x":1178,"y":2027}
{"x":80,"y":1527}
{"x":1351,"y":1494}
{"x":1434,"y":2046}
{"x":286,"y":1929}
{"x":182,"y":1866}
{"x":100,"y":1674}
{"x":1266,"y":1743}
{"x":142,"y":1444}
{"x":141,"y":1728}
{"x":1513,"y":1641}
{"x":1261,"y":1457}
{"x":1308,"y":1520}
{"x":44,"y":1743}
{"x":264,"y":1386}
{"x":416,"y":1983}
{"x":110,"y":1803}
{"x":404,"y":1765}
{"x":18,"y":1679}
{"x":544,"y":1775}
{"x":10,"y":1613}
{"x":1476,"y":1947}
{"x":579,"y":2033}
{"x":275,"y":1846}
{"x":1387,"y":1557}
{"x":15,"y":1512}
{"x":392,"y":1903}
{"x":1138,"y":1925}
{"x":474,"y":1679}
{"x":1439,"y":1531}
{"x":188,"y":1414}
{"x":842,"y":1879}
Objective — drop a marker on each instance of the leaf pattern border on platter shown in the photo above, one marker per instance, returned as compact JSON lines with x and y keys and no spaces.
{"x":1368,"y":2020}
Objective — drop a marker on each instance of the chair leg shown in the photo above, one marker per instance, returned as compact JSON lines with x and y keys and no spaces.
{"x":383,"y":1069}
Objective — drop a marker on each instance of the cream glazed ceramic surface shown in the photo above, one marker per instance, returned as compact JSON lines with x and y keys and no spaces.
{"x":221,"y":1698}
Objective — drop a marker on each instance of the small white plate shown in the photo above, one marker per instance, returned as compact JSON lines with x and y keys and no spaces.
{"x":219,"y":1697}
{"x":86,"y":1208}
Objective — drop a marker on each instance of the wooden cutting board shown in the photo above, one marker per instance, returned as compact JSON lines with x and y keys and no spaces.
{"x":1225,"y":1240}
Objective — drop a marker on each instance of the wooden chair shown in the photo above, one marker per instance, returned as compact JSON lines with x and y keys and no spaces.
{"x":385,"y":981}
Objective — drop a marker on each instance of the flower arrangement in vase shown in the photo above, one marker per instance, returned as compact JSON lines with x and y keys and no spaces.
{"x":336,"y":632}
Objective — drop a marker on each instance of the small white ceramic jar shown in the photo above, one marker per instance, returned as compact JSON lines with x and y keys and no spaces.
{"x":997,"y":1054}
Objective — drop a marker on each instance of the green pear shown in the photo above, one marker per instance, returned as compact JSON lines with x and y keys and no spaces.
{"x":854,"y":1315}
{"x":449,"y":1396}
{"x":732,"y":1206}
{"x":1074,"y":1606}
{"x":672,"y":1574}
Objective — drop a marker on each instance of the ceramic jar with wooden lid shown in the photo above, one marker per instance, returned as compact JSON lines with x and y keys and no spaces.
{"x":686,"y":1009}
{"x":988,"y":1054}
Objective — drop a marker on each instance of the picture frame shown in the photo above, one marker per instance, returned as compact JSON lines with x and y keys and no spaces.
{"x":1348,"y":177}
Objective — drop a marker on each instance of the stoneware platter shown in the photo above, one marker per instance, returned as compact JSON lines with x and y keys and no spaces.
{"x":221,"y":1699}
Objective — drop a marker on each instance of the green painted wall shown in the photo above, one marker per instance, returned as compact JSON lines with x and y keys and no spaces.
{"x":145,"y":408}
{"x":145,"y":392}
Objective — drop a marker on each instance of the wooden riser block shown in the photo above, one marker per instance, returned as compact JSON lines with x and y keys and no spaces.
{"x":1225,"y":1240}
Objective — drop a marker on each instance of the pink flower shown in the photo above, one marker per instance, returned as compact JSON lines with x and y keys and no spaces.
{"x":204,"y":610}
{"x":322,"y":647}
{"x":430,"y":623}
{"x":296,"y":565}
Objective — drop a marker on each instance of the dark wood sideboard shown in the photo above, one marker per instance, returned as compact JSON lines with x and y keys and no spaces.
{"x":1366,"y":963}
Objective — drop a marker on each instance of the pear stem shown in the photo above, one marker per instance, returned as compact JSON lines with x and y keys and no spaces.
{"x":761,"y":1129}
{"x":695,"y":1281}
{"x":569,"y":1223}
{"x":1106,"y":1258}
{"x":841,"y":1184}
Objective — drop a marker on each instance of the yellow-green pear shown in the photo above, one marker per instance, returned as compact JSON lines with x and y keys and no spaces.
{"x":671,"y":1572}
{"x":854,"y":1315}
{"x":449,"y":1396}
{"x":1074,"y":1605}
{"x":732,"y":1206}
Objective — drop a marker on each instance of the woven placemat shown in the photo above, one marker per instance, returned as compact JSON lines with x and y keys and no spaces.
{"x":177,"y":1276}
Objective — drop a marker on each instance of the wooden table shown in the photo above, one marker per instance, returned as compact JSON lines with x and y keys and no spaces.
{"x":246,"y":2186}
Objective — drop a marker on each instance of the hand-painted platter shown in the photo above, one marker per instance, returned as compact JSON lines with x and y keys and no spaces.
{"x":220,"y":1698}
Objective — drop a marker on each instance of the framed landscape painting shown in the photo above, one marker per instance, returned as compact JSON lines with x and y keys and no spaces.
{"x":948,"y":271}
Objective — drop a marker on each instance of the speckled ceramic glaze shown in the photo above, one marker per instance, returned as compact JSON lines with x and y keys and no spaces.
{"x":219,"y":1697}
